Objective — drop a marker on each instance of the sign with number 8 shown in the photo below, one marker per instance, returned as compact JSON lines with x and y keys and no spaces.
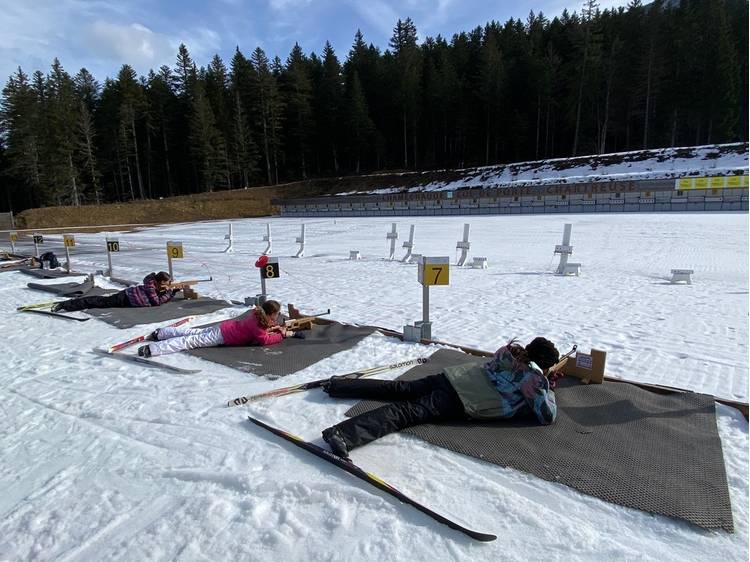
{"x":270,"y":270}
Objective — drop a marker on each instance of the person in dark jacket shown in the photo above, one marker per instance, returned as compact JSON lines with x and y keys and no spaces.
{"x":154,"y":291}
{"x":512,"y":383}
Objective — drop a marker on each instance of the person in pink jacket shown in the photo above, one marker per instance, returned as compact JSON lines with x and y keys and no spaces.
{"x":258,"y":328}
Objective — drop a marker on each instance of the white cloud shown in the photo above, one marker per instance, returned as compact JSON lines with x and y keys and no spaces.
{"x":133,"y":43}
{"x":281,"y":5}
{"x":378,"y":14}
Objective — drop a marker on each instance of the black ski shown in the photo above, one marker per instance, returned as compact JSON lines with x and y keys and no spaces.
{"x":144,"y":361}
{"x":352,"y":468}
{"x":56,"y":315}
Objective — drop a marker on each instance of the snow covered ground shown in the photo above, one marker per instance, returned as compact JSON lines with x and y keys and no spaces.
{"x":106,"y":460}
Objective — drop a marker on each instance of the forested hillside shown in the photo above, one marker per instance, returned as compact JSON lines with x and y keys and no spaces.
{"x":589,"y":82}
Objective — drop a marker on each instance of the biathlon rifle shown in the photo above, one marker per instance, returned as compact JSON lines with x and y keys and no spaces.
{"x":561,"y":362}
{"x":187,"y":284}
{"x":304,"y":323}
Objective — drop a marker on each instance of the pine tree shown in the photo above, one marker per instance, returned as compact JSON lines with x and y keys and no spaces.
{"x":298,"y":97}
{"x":206,"y":143}
{"x":360,"y":126}
{"x":269,"y":112}
{"x":132,"y":106}
{"x":406,"y":55}
{"x":61,"y":172}
{"x":19,"y":126}
{"x":490,"y":84}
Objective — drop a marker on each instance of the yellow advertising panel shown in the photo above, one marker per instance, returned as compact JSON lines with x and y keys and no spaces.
{"x":69,"y":241}
{"x":711,"y":182}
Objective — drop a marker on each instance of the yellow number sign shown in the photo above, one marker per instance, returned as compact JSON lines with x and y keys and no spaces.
{"x":69,"y":241}
{"x":434,"y":271}
{"x":174,"y":250}
{"x":436,"y":274}
{"x":14,"y":236}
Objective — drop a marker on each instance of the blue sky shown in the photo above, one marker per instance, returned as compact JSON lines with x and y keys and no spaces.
{"x":101,"y":35}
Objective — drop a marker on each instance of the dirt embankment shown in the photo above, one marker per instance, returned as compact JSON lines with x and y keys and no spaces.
{"x":238,"y":203}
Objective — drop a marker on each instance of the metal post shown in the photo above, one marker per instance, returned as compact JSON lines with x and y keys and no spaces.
{"x":409,"y":245}
{"x":109,"y":261}
{"x":565,"y":249}
{"x":301,"y":242}
{"x":229,"y":237}
{"x":267,"y":238}
{"x":67,"y":258}
{"x":392,"y":236}
{"x":36,"y":246}
{"x":169,"y":260}
{"x":262,"y":284}
{"x":12,"y":244}
{"x":425,"y":304}
{"x":464,"y":247}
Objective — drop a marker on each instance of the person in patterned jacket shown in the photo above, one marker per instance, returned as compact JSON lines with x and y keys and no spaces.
{"x":511,"y":384}
{"x":154,"y":291}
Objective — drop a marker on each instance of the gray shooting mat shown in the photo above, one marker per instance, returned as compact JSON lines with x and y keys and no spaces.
{"x":66,"y":289}
{"x":291,"y":354}
{"x":49,"y":273}
{"x":659,"y":453}
{"x":127,"y":317}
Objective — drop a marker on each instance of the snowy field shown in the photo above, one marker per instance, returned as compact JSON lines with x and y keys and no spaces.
{"x":103,"y":460}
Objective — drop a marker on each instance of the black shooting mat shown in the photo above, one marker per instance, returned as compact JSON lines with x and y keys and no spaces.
{"x":130,"y":316}
{"x":659,"y":453}
{"x":67,"y":289}
{"x":291,"y":354}
{"x":49,"y":273}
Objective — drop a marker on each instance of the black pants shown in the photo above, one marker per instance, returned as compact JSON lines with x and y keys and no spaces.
{"x":421,"y":401}
{"x":118,"y":300}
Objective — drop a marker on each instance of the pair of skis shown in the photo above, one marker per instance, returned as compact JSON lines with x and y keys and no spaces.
{"x":36,"y":309}
{"x":345,"y":463}
{"x":115,"y":351}
{"x":318,"y":383}
{"x":351,"y":468}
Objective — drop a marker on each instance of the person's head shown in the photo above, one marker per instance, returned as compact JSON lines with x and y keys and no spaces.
{"x":268,"y":312}
{"x":542,"y":352}
{"x":163,"y":280}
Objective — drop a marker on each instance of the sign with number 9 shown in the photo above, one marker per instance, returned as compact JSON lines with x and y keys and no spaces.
{"x":174,"y":250}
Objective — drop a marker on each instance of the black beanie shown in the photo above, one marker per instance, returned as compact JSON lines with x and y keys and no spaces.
{"x":542,"y":352}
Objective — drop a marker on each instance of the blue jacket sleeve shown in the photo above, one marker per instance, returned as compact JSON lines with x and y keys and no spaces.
{"x":539,"y":397}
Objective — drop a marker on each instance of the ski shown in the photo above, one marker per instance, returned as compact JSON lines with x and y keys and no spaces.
{"x":57,"y":315}
{"x":139,"y":339}
{"x":352,"y":468}
{"x":144,"y":361}
{"x":316,"y":384}
{"x":36,"y":305}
